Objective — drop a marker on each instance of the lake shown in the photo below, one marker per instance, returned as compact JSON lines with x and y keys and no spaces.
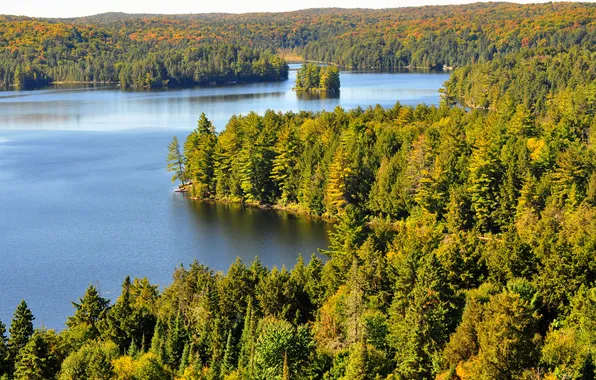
{"x":85,"y":198}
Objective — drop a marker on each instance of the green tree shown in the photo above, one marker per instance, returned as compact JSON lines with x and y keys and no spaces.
{"x":483,"y":184}
{"x":21,"y":330}
{"x":279,"y":342}
{"x":176,"y":161}
{"x":199,"y":151}
{"x":39,"y":359}
{"x":4,"y":353}
{"x":92,"y":361}
{"x":422,"y":320}
{"x":88,"y":312}
{"x":507,"y":337}
{"x":284,"y":170}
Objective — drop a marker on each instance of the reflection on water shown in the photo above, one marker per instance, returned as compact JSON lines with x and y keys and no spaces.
{"x":307,"y":95}
{"x":104,"y":108}
{"x":249,"y":232}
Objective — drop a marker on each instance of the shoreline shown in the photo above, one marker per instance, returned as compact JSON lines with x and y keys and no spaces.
{"x":292,"y":208}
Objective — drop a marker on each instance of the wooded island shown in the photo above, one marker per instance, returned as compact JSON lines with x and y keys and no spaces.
{"x":315,"y":78}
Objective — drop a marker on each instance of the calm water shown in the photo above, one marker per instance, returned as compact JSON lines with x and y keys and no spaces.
{"x":84,"y":197}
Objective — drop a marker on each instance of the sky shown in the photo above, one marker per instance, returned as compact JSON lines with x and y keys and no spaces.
{"x":75,"y":8}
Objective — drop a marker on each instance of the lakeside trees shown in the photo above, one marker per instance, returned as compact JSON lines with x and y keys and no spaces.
{"x":175,"y":161}
{"x":464,"y":240}
{"x":315,"y":78}
{"x":456,"y":231}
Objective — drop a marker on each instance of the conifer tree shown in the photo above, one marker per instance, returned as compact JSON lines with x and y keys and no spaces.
{"x":283,"y":171}
{"x":483,"y":185}
{"x":357,"y":367}
{"x":337,"y":192}
{"x":4,"y":354}
{"x":247,"y":342}
{"x":422,"y":320}
{"x":34,"y":362}
{"x":229,"y":358}
{"x":88,"y":312}
{"x":199,"y":150}
{"x":174,"y":345}
{"x":118,"y":325}
{"x":175,"y":161}
{"x":158,"y":346}
{"x":21,"y":330}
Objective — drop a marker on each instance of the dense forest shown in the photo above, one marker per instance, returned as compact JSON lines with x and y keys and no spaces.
{"x":526,"y":77}
{"x":463,"y":249}
{"x":464,"y":237}
{"x":315,"y":78}
{"x":157,"y":50}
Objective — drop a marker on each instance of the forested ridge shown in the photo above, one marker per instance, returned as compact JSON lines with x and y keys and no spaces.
{"x":528,"y":77}
{"x":157,"y":50}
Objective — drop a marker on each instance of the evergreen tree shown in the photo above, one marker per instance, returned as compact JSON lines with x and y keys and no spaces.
{"x":88,"y":312}
{"x":38,"y":360}
{"x":199,"y":150}
{"x":176,"y":161}
{"x":174,"y":345}
{"x":247,"y":342}
{"x":158,"y":346}
{"x":422,"y":320}
{"x":483,"y":186}
{"x":21,"y":330}
{"x":4,"y":353}
{"x":284,"y":170}
{"x":118,"y":324}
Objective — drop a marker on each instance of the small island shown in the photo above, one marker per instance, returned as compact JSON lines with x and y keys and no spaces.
{"x":315,"y":78}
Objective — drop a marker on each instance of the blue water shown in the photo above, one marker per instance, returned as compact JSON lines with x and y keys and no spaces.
{"x":85,"y":198}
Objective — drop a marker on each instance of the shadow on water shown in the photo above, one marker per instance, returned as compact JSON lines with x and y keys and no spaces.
{"x":276,"y":237}
{"x":307,"y":95}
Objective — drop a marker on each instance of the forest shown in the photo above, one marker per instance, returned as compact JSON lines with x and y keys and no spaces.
{"x":464,"y":233}
{"x":315,"y":78}
{"x":463,"y":249}
{"x":158,"y":50}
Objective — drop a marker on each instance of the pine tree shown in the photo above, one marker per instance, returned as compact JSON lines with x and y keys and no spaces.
{"x":175,"y":341}
{"x":158,"y":346}
{"x":185,"y":359}
{"x":229,"y":358}
{"x":175,"y":161}
{"x":21,"y":330}
{"x":90,"y":309}
{"x":247,"y":342}
{"x":337,"y":194}
{"x":4,"y":357}
{"x":483,"y":185}
{"x":119,"y":326}
{"x":33,"y":360}
{"x":389,"y":194}
{"x":283,"y":172}
{"x":199,"y":151}
{"x":357,"y":366}
{"x":349,"y":233}
{"x":422,"y":320}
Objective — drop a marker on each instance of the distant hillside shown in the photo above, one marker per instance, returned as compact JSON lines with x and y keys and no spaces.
{"x":167,"y":48}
